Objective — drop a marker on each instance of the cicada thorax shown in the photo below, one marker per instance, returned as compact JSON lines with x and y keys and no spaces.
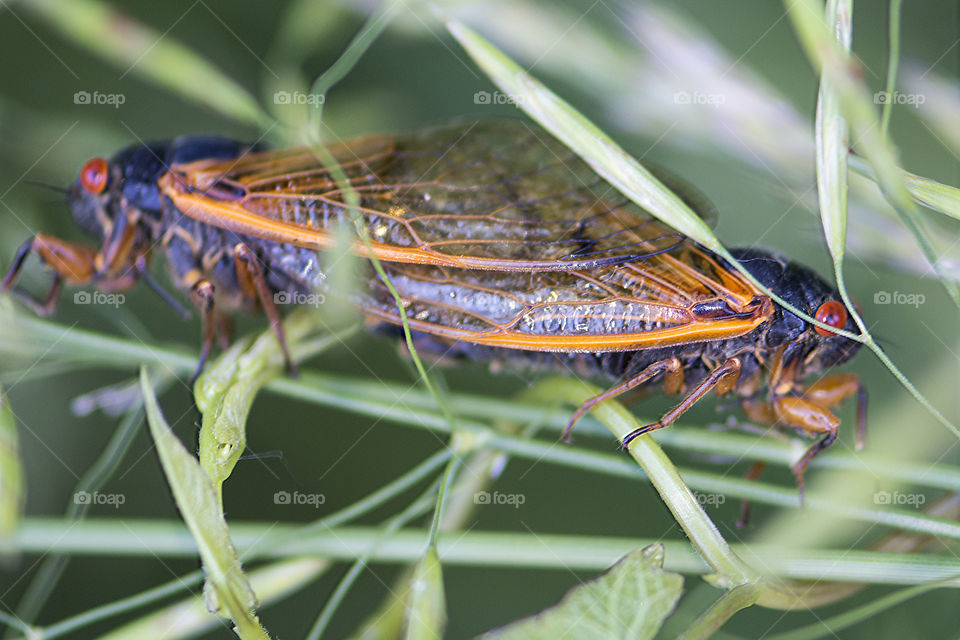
{"x":197,"y":251}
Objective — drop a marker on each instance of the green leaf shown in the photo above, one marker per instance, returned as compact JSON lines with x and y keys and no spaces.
{"x":934,"y":195}
{"x":582,"y":136}
{"x":631,"y":600}
{"x":189,"y":617}
{"x":225,"y":392}
{"x":832,"y":145}
{"x":427,"y":610}
{"x":11,"y":476}
{"x":845,"y":77}
{"x":227,"y":587}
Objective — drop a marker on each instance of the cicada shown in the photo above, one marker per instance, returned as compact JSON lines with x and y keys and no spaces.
{"x":503,"y":245}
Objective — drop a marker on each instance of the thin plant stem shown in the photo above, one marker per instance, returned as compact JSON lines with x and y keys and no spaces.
{"x":336,"y":519}
{"x":893,"y":62}
{"x":418,"y":507}
{"x":723,"y":609}
{"x":52,"y":567}
{"x":449,"y":475}
{"x":829,"y":627}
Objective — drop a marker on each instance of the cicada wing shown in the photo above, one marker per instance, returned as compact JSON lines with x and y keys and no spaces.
{"x":679,"y":297}
{"x":492,"y":196}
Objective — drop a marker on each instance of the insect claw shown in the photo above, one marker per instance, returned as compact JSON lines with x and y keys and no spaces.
{"x":636,"y":433}
{"x":801,"y":489}
{"x":582,"y":410}
{"x":567,"y":436}
{"x":197,"y":371}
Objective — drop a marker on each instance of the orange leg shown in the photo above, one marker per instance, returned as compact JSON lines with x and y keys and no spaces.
{"x":723,"y":378}
{"x":810,"y":413}
{"x":46,"y":306}
{"x":833,"y":389}
{"x":803,"y":414}
{"x":70,"y":262}
{"x":248,"y":262}
{"x":671,"y":367}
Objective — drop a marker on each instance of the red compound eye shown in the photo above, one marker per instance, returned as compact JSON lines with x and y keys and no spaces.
{"x":93,"y":176}
{"x":831,"y":313}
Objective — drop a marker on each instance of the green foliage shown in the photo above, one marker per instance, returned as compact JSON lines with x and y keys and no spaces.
{"x":480,"y":435}
{"x":631,"y":600}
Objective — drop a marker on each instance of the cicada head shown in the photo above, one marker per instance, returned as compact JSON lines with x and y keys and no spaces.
{"x":818,"y":348}
{"x":106,"y":189}
{"x":90,"y":198}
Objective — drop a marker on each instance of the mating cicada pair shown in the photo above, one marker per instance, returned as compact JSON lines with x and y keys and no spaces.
{"x":503,"y":246}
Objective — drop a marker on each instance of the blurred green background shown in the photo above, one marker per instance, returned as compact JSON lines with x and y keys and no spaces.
{"x":618,"y":65}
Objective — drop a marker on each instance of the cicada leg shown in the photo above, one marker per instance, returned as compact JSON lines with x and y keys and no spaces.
{"x":811,"y":413}
{"x":671,"y":367}
{"x":722,"y":379}
{"x":248,"y":267}
{"x":202,"y":294}
{"x":224,"y":330}
{"x":752,"y":474}
{"x":141,"y":270}
{"x":70,"y":262}
{"x":833,"y":389}
{"x":807,"y":416}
